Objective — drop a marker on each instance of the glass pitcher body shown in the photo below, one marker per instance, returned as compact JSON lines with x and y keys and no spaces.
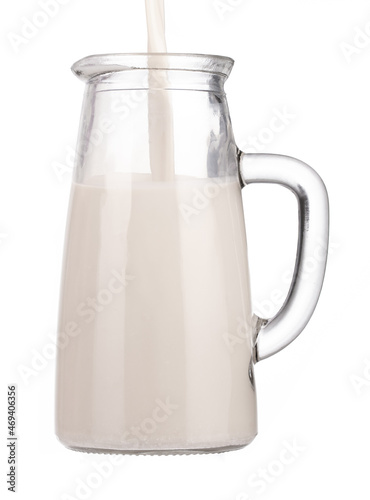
{"x":157,"y":339}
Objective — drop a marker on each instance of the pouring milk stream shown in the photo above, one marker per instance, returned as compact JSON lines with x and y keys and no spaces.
{"x":159,"y":101}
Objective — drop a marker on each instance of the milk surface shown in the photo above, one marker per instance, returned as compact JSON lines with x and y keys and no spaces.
{"x":155,"y":341}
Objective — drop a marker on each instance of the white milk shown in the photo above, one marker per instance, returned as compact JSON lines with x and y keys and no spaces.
{"x":154,"y":294}
{"x":160,"y":120}
{"x":155,"y":20}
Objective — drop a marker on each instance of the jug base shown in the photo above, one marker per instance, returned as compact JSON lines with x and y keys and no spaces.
{"x":190,"y":451}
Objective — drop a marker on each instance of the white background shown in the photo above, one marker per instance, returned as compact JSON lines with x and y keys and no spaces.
{"x":289,"y":54}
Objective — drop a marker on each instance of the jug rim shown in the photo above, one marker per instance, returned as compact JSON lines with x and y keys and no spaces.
{"x":95,"y":65}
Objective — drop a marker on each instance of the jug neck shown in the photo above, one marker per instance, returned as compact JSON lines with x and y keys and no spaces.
{"x":154,"y":71}
{"x":146,"y":113}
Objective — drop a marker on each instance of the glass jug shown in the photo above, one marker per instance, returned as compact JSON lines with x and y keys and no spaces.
{"x":157,"y":338}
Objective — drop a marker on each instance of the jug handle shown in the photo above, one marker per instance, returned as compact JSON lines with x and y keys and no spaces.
{"x":272,"y":335}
